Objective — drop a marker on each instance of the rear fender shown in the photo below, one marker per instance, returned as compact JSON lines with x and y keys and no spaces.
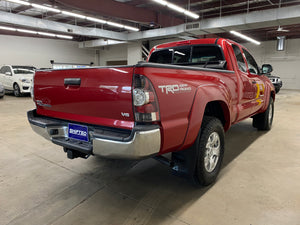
{"x":203,"y":97}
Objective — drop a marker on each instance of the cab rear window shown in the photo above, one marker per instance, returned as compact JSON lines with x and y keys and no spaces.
{"x":201,"y":55}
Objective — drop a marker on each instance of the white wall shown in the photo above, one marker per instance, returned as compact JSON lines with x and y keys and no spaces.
{"x":113,"y":53}
{"x":39,"y":51}
{"x":132,"y":52}
{"x":285,"y":63}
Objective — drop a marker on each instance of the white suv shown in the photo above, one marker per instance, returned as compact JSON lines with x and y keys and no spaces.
{"x":17,"y":78}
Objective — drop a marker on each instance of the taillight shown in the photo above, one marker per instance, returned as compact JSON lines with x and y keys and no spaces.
{"x":145,"y":102}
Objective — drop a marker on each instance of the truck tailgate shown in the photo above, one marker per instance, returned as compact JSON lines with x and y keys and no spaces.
{"x":100,"y":96}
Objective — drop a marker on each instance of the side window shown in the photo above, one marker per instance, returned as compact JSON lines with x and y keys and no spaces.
{"x":239,"y":57}
{"x":253,"y":68}
{"x":7,"y":69}
{"x":2,"y":70}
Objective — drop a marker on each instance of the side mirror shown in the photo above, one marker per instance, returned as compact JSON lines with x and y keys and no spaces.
{"x":267,"y":68}
{"x":8,"y":73}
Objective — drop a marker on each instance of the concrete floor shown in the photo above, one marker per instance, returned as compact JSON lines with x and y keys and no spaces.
{"x":259,"y":183}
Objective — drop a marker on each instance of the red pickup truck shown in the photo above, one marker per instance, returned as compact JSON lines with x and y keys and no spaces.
{"x":181,"y":101}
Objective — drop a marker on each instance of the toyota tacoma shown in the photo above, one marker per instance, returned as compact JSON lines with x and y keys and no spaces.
{"x":180,"y":101}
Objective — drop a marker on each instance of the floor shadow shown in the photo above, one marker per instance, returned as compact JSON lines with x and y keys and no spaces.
{"x":149,"y":179}
{"x":238,"y":138}
{"x":152,"y":186}
{"x":11,"y":93}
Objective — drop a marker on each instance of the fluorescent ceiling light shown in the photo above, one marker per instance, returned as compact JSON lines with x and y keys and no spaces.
{"x":245,"y":37}
{"x":46,"y":34}
{"x":115,"y":24}
{"x":27,"y":31}
{"x":177,"y":8}
{"x":8,"y":28}
{"x":131,"y":28}
{"x":191,"y":14}
{"x":112,"y":23}
{"x":73,"y":14}
{"x":19,"y":2}
{"x":64,"y":36}
{"x":96,"y":20}
{"x":36,"y":32}
{"x":45,"y":8}
{"x":162,"y":2}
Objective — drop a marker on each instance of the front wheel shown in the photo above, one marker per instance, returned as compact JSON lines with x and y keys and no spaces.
{"x":263,"y":121}
{"x":210,"y":148}
{"x":17,"y":91}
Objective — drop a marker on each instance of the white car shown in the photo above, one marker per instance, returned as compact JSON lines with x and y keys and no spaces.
{"x":2,"y":92}
{"x":17,"y":78}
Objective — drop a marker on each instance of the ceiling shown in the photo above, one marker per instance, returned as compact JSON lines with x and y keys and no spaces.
{"x":148,"y":15}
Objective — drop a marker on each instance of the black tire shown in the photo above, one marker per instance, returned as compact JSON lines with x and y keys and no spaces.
{"x":263,"y":121}
{"x":17,"y":92}
{"x":209,"y":156}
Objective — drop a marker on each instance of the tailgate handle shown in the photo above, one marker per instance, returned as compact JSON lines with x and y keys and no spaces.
{"x":72,"y":81}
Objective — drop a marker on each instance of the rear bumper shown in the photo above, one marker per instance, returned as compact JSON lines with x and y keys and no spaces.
{"x":141,"y":142}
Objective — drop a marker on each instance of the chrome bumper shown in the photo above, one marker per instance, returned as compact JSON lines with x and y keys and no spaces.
{"x":144,"y":141}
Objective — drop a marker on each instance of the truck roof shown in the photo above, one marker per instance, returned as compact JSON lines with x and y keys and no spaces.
{"x":194,"y":42}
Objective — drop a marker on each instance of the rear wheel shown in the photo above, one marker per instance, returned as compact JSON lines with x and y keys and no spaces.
{"x":263,"y":121}
{"x":210,"y":150}
{"x":17,"y":92}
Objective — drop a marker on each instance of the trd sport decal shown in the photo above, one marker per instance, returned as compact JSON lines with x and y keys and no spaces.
{"x":174,"y":88}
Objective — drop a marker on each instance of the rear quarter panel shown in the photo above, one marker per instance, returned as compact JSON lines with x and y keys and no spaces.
{"x":183,"y":94}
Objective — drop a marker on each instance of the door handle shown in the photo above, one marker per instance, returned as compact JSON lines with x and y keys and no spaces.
{"x":72,"y":81}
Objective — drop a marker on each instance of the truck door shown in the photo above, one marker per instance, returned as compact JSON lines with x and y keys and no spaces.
{"x":253,"y":74}
{"x":247,"y":86}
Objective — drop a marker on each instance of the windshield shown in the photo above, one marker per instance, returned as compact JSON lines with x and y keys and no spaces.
{"x":23,"y":69}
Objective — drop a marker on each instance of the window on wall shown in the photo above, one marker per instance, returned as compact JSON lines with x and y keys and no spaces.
{"x":240,"y":59}
{"x":252,"y":65}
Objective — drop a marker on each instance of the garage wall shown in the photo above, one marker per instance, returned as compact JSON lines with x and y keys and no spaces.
{"x":131,"y":52}
{"x":39,"y":51}
{"x":113,"y":53}
{"x":285,"y":63}
{"x":134,"y":53}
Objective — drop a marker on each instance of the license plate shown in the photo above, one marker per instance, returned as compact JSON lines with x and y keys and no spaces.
{"x":78,"y":132}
